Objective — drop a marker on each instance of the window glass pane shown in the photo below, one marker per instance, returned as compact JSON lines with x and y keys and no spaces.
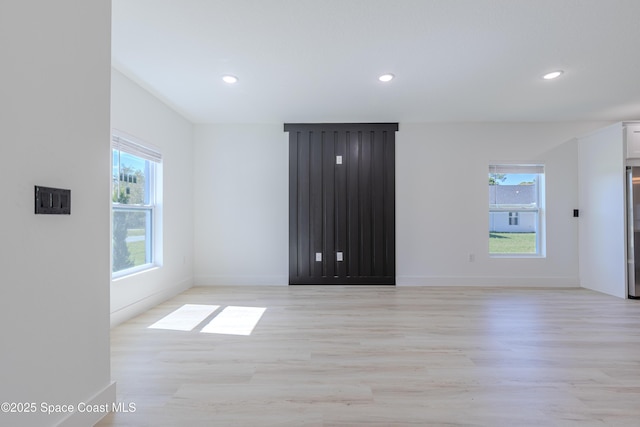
{"x":514,"y":209}
{"x":131,"y":177}
{"x":131,"y":238}
{"x":518,"y":190}
{"x":133,"y":200}
{"x":513,"y":235}
{"x":115,"y":173}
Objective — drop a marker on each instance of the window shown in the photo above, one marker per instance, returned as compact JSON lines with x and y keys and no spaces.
{"x":134,"y":194}
{"x":516,"y":210}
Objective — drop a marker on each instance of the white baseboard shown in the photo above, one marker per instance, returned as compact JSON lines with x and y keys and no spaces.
{"x":241,"y":281}
{"x":138,"y":307}
{"x":104,"y":400}
{"x":515,"y":282}
{"x":538,"y":282}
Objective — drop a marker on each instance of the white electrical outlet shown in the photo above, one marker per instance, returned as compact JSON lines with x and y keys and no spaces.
{"x":318,"y":256}
{"x":472,"y":257}
{"x":339,"y":256}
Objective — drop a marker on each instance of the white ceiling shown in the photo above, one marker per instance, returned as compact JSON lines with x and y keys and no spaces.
{"x":318,"y":60}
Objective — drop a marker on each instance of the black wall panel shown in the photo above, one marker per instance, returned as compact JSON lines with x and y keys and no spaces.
{"x":346,"y":208}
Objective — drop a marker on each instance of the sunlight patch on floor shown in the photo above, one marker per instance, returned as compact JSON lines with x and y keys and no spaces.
{"x":235,"y":321}
{"x":185,"y":318}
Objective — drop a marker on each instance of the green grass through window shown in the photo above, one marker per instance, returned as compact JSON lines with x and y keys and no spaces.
{"x":137,"y":252}
{"x":512,"y":243}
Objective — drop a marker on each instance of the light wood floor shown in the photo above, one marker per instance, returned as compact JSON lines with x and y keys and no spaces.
{"x":386,"y":356}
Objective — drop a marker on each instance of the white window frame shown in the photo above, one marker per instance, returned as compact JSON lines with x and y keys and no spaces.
{"x":538,"y":209}
{"x":133,"y":146}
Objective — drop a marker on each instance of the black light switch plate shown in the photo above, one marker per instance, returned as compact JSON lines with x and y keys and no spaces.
{"x":52,"y":201}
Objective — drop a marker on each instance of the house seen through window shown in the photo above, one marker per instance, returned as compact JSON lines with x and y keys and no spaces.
{"x":513,"y":218}
{"x":134,"y":197}
{"x":516,"y":217}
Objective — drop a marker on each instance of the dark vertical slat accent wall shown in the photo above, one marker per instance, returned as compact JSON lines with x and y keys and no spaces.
{"x":347,"y":208}
{"x":366,"y":253}
{"x":389,"y":192}
{"x":378,"y":200}
{"x":341,"y":205}
{"x":328,"y":201}
{"x":316,"y":191}
{"x":352,"y":165}
{"x":293,"y":201}
{"x":304,"y":183}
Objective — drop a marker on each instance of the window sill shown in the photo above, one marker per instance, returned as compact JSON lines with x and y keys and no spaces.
{"x":517,"y":256}
{"x":123,"y":274}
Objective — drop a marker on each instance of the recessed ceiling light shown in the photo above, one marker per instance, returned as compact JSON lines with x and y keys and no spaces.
{"x":230,"y":79}
{"x":386,"y":77}
{"x":553,"y":75}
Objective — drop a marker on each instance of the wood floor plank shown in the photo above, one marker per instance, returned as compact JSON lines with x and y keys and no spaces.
{"x":386,"y":356}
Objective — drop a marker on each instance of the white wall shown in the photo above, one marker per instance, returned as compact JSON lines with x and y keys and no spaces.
{"x":241,"y":209}
{"x":241,"y":205}
{"x":138,"y":113}
{"x":602,"y":211}
{"x":440,"y":226}
{"x":54,"y":124}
